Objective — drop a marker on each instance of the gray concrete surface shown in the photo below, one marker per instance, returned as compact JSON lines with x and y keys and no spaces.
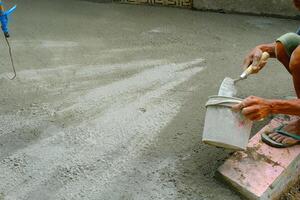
{"x":283,"y":8}
{"x":109,"y":99}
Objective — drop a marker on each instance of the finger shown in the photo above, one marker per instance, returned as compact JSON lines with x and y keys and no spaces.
{"x":255,"y":69}
{"x":249,"y":110}
{"x":247,"y":62}
{"x":237,"y":107}
{"x":252,"y":113}
{"x":262,"y":64}
{"x":256,"y":58}
{"x":255,"y":117}
{"x":249,"y":102}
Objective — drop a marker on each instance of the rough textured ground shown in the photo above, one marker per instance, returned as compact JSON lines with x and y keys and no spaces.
{"x":109,"y":99}
{"x":293,"y":193}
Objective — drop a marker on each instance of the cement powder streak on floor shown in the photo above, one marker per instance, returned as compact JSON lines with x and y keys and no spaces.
{"x":109,"y":99}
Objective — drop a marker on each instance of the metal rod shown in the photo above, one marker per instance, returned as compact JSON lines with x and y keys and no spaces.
{"x":11,"y":59}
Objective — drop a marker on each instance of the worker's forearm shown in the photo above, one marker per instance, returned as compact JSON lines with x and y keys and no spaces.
{"x":288,"y":107}
{"x":270,"y":48}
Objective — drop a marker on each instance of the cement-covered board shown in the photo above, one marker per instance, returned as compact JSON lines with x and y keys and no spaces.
{"x":262,"y":172}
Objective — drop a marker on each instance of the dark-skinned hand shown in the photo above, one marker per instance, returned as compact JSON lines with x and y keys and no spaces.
{"x":253,"y":58}
{"x":254,"y":108}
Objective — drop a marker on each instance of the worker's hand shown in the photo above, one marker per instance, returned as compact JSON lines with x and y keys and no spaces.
{"x":253,"y":58}
{"x":254,"y":108}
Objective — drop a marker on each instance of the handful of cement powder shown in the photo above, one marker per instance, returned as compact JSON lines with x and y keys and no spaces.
{"x":227,"y":88}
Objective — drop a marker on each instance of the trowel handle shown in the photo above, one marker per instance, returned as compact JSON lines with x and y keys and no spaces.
{"x":251,"y":68}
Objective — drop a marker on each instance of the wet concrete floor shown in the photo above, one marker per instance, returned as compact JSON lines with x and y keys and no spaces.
{"x":109,"y":98}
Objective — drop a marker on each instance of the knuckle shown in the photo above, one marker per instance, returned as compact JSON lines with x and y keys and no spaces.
{"x":256,"y":56}
{"x":256,"y":101}
{"x":244,"y":111}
